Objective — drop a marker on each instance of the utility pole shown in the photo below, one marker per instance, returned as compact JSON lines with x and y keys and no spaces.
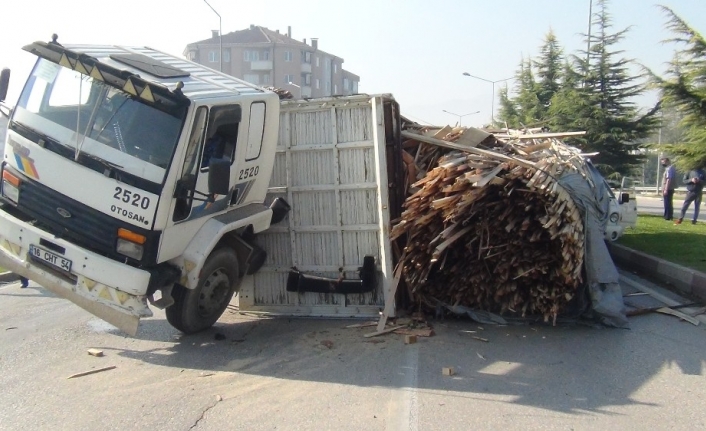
{"x":220,"y":37}
{"x":492,"y":103}
{"x":460,"y":116}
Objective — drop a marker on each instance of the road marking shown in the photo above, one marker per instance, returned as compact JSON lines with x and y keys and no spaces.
{"x":403,"y":412}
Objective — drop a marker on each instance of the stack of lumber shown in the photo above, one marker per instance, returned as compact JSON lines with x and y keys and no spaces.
{"x":486,"y":223}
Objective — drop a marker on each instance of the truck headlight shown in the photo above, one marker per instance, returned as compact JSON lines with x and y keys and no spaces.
{"x":614,"y":217}
{"x":130,"y":244}
{"x":10,"y":186}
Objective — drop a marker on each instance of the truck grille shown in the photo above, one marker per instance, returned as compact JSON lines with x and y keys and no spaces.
{"x":86,"y":226}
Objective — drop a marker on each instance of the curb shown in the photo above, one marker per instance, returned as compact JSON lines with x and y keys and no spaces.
{"x":683,"y":280}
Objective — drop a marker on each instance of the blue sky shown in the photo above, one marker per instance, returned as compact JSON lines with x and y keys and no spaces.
{"x":416,"y":50}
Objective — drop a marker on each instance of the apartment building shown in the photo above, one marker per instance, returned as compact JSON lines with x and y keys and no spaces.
{"x":270,"y":58}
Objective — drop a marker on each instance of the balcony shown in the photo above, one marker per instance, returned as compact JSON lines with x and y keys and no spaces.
{"x":261,"y":65}
{"x":306,"y":67}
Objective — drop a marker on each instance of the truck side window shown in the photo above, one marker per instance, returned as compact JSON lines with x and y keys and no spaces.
{"x":256,"y":131}
{"x":189,"y":169}
{"x":222,"y":134}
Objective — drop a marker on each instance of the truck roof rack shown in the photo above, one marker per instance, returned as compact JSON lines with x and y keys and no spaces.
{"x":147,"y":92}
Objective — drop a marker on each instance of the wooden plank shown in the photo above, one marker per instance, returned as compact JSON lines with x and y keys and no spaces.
{"x":390,"y":299}
{"x":427,"y":332}
{"x":384,"y":331}
{"x":679,"y":314}
{"x":453,"y":145}
{"x":362,"y":325}
{"x":95,"y":352}
{"x":539,"y":135}
{"x":86,"y":373}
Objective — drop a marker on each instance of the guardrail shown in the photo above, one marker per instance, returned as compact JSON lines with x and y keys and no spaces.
{"x":653,"y":189}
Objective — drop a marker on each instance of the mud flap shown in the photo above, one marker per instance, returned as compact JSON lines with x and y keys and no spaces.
{"x":301,"y":282}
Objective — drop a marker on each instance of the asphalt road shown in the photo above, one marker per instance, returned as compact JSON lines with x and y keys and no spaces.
{"x":300,"y":374}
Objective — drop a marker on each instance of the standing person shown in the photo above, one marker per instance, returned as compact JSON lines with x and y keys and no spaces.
{"x":694,"y":181}
{"x":669,"y":183}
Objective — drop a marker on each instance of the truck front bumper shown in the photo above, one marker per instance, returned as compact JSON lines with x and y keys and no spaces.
{"x":113,"y":291}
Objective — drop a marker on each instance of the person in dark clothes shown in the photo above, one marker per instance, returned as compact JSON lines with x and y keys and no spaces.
{"x":694,"y":180}
{"x":23,"y":282}
{"x":669,"y":183}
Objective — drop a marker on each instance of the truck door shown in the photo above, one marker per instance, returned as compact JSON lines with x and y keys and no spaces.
{"x":214,"y":136}
{"x":628,"y":203}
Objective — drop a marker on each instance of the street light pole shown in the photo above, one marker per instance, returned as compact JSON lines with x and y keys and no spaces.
{"x":492,"y":103}
{"x":459,"y":116}
{"x":220,"y":37}
{"x":295,"y":85}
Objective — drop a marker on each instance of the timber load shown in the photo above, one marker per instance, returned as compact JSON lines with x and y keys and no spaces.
{"x":486,"y":223}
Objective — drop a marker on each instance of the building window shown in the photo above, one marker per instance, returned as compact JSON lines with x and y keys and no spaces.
{"x":335,"y":89}
{"x":288,"y":79}
{"x":226,"y":56}
{"x":346,"y":84}
{"x":246,"y":55}
{"x":287,"y":55}
{"x":318,"y":83}
{"x":213,"y":56}
{"x":266,"y":78}
{"x":306,"y":79}
{"x":306,"y":57}
{"x":255,"y":56}
{"x":265,"y":55}
{"x":335,"y":68}
{"x":317,"y":61}
{"x":252,"y":78}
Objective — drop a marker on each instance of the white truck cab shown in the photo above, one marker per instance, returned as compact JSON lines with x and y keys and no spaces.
{"x":622,"y":210}
{"x":129,"y":171}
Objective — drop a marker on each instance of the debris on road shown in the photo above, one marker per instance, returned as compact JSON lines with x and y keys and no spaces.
{"x":361,"y":325}
{"x":95,"y":352}
{"x":448,"y":371}
{"x":410,"y":339}
{"x":679,"y":314}
{"x":417,"y":332}
{"x":384,"y":331}
{"x":87,"y":373}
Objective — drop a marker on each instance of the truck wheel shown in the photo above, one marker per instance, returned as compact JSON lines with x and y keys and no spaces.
{"x":197,"y":309}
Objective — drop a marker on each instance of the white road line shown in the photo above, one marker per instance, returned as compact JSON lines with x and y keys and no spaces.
{"x":403,"y":412}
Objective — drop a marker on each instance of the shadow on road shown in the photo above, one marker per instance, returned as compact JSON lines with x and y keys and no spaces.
{"x":570,"y":369}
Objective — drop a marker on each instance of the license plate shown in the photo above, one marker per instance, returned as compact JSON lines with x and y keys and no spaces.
{"x":50,"y":258}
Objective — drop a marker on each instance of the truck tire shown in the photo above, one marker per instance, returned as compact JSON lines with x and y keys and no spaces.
{"x":197,"y":309}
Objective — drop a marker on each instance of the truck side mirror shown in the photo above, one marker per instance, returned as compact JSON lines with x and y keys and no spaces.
{"x":4,"y":83}
{"x":185,"y":186}
{"x":624,"y":198}
{"x":218,"y":176}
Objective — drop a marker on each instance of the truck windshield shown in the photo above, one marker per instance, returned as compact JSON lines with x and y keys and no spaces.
{"x":93,"y":118}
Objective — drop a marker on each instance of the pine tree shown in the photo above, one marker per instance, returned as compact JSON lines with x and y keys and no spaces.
{"x":523,"y":110}
{"x":570,"y":105}
{"x":549,"y":72}
{"x":507,"y":115}
{"x":684,"y":89}
{"x":604,"y":101}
